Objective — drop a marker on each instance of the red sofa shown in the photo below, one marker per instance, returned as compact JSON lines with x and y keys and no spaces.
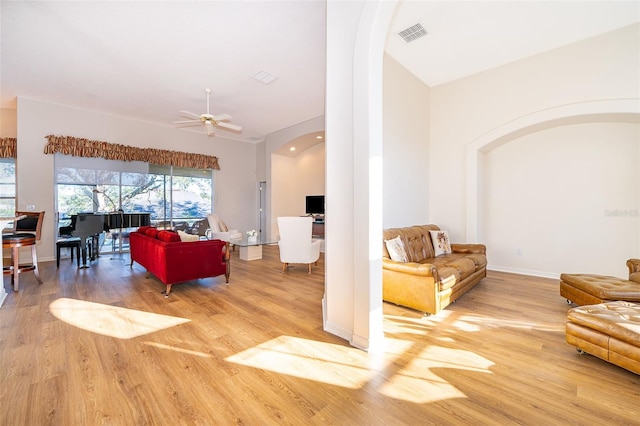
{"x":173,"y":261}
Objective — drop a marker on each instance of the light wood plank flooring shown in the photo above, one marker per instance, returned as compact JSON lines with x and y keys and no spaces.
{"x":103,"y":346}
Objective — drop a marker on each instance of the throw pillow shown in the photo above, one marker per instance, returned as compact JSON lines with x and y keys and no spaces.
{"x":396,"y":249}
{"x":441,"y":244}
{"x":223,"y":227}
{"x":143,"y":229}
{"x":169,"y":237}
{"x":184,"y":237}
{"x":151,"y":232}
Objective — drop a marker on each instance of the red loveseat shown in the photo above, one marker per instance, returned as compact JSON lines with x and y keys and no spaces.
{"x":173,"y":261}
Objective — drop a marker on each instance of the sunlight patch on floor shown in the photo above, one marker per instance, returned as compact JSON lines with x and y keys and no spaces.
{"x":108,"y":320}
{"x":309,"y":359}
{"x":428,"y":385}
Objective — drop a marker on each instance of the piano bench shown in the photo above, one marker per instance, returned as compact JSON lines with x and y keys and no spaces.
{"x":73,"y":242}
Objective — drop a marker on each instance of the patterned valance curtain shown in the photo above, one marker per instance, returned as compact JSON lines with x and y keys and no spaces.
{"x":81,"y":147}
{"x":8,"y":147}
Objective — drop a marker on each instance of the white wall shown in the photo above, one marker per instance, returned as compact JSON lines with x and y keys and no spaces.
{"x":405,"y":130}
{"x":235,"y":183}
{"x":602,"y":68}
{"x":551,"y":200}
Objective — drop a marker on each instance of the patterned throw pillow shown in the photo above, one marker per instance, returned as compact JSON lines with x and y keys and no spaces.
{"x":396,"y":249}
{"x":441,"y":244}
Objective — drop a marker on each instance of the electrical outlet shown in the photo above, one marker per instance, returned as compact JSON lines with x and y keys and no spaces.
{"x":31,"y":207}
{"x":518,"y":252}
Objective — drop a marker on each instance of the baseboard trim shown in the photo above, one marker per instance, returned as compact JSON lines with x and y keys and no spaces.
{"x":540,"y":274}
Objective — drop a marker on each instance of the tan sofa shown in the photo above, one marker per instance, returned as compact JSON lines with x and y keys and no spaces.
{"x":425,"y":282}
{"x":634,"y":270}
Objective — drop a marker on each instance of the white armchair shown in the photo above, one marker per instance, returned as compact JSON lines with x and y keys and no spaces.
{"x":219,"y":230}
{"x":296,"y":244}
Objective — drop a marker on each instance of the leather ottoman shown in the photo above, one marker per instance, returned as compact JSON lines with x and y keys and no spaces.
{"x":589,"y":289}
{"x":610,"y":331}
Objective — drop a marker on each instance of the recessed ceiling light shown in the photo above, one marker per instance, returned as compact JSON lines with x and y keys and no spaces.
{"x":319,"y":137}
{"x":293,"y":148}
{"x":264,"y":77}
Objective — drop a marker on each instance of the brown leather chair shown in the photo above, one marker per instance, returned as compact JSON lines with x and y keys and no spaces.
{"x":26,"y":233}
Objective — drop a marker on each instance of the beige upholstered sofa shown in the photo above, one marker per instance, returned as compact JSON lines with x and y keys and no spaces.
{"x":427,"y":282}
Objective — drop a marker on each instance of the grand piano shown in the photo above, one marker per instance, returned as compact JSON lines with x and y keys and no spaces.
{"x":87,"y":226}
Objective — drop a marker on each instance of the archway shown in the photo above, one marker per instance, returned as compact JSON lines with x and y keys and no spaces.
{"x":610,"y":110}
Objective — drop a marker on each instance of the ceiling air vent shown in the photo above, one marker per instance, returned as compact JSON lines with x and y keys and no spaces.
{"x":412,"y":33}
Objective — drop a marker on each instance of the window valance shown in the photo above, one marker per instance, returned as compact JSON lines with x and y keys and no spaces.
{"x":8,"y":147}
{"x":81,"y":147}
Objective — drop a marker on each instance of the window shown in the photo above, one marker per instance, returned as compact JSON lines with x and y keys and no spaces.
{"x":172,"y":195}
{"x":7,"y":187}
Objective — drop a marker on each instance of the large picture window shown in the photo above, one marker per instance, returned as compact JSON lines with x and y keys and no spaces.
{"x":175,"y":197}
{"x":7,"y":187}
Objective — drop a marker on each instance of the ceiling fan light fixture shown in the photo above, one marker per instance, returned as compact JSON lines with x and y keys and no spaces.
{"x":210,"y":121}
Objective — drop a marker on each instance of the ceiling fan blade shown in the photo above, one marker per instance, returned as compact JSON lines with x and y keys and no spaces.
{"x":230,"y":126}
{"x":187,"y":123}
{"x":187,"y":114}
{"x":222,"y":117}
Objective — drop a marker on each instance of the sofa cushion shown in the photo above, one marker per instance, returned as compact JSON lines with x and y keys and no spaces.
{"x":452,"y":269}
{"x":184,"y":237}
{"x":440,"y":241}
{"x":396,"y":249}
{"x":143,"y":229}
{"x":151,"y":232}
{"x":168,"y":236}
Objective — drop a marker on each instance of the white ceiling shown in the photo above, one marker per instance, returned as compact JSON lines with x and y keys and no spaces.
{"x":467,"y":37}
{"x":149,"y":60}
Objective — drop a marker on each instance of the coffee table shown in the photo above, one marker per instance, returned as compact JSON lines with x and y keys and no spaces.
{"x":251,"y":250}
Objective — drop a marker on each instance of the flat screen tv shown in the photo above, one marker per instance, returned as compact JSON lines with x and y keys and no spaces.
{"x":314,"y":204}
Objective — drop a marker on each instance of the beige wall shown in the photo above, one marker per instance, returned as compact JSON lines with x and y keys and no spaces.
{"x":279,"y":171}
{"x":293,"y":179}
{"x":564,"y":199}
{"x":8,"y":123}
{"x":405,"y":154}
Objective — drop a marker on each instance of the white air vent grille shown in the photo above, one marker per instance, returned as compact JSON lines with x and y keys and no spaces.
{"x":264,"y":77}
{"x":412,"y":33}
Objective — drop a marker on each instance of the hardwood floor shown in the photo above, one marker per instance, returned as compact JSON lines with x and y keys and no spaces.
{"x":103,"y":346}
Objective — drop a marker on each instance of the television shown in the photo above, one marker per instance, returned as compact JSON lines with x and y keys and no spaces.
{"x":314,"y":204}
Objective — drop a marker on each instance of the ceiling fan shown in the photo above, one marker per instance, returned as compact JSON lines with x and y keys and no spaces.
{"x":208,"y":120}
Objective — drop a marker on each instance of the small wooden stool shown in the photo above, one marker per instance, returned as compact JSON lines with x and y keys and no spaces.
{"x":14,"y":242}
{"x":73,"y":242}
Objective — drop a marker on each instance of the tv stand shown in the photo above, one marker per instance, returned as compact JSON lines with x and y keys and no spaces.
{"x":317,"y":228}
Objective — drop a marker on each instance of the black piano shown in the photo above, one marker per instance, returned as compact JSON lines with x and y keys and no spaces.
{"x":87,"y":226}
